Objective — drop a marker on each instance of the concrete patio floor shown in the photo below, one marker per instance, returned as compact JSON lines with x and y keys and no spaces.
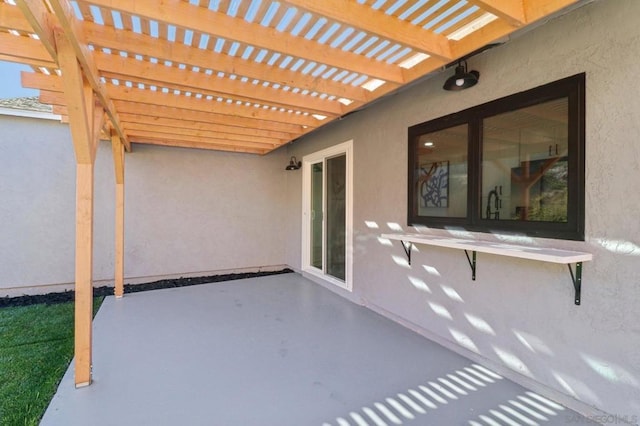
{"x":280,"y":350}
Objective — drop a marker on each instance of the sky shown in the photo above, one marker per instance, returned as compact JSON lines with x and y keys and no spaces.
{"x":10,"y":86}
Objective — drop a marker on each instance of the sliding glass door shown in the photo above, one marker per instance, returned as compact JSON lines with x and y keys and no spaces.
{"x":327,"y":214}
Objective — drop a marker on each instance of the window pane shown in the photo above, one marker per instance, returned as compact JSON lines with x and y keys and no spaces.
{"x":525,"y":172}
{"x":441,"y":173}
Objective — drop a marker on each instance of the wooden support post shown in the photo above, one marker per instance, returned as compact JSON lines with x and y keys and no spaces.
{"x":84,"y":273}
{"x":118,"y":161}
{"x":82,"y":122}
{"x":119,"y":263}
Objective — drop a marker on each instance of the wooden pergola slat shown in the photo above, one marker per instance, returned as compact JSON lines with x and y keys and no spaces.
{"x":183,"y":15}
{"x":376,"y":22}
{"x":138,"y":131}
{"x":221,"y":129}
{"x":164,"y":50}
{"x":162,"y":111}
{"x":162,"y":140}
{"x":49,"y":84}
{"x":127,"y":68}
{"x":25,"y":50}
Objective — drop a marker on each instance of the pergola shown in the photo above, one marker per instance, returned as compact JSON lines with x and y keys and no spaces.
{"x":231,"y":75}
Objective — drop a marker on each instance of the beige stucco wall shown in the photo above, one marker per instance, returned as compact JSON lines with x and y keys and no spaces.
{"x":518,"y":314}
{"x":208,"y":210}
{"x":35,"y":216}
{"x":187,"y":212}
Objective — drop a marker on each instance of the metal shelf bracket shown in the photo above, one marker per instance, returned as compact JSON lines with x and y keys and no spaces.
{"x":472,"y":263}
{"x":407,"y":250}
{"x":577,"y":280}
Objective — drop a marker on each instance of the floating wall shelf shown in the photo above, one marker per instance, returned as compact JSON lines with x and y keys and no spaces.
{"x":544,"y":254}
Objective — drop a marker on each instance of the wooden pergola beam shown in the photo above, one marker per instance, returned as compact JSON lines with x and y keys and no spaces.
{"x":13,"y":18}
{"x":49,"y":84}
{"x":511,"y":11}
{"x":162,"y":141}
{"x":208,"y":117}
{"x":44,"y":82}
{"x":236,"y":125}
{"x":203,"y":134}
{"x":163,"y":50}
{"x":376,"y":22}
{"x":129,"y":69}
{"x":25,"y":50}
{"x":149,"y":134}
{"x":537,"y":9}
{"x":24,"y":61}
{"x":73,"y":32}
{"x":42,"y":23}
{"x":145,"y":99}
{"x":483,"y":36}
{"x":183,"y":15}
{"x":150,"y":97}
{"x":221,"y":129}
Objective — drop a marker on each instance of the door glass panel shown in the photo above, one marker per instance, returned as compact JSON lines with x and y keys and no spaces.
{"x":336,"y":216}
{"x":317,"y":178}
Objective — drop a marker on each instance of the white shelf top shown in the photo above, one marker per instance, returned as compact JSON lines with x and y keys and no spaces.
{"x":504,"y":249}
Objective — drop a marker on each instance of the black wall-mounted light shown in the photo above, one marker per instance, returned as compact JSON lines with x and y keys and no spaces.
{"x":294,"y":164}
{"x":461,"y":79}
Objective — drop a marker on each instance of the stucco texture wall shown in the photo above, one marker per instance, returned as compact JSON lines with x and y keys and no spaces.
{"x":195,"y":210}
{"x":37,"y":184}
{"x":186,"y":211}
{"x":518,"y":314}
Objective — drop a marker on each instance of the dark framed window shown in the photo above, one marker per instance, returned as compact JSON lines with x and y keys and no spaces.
{"x":513,"y":165}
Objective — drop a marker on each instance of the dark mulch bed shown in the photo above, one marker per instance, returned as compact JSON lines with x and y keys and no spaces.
{"x":67,"y":296}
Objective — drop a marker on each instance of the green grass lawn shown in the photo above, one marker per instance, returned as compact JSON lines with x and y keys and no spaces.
{"x":36,"y":346}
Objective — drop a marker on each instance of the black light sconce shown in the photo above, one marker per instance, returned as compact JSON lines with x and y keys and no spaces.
{"x":294,"y":164}
{"x":462,"y":79}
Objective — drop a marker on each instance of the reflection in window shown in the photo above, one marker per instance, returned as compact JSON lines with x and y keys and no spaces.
{"x":524,"y":167}
{"x":441,"y":173}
